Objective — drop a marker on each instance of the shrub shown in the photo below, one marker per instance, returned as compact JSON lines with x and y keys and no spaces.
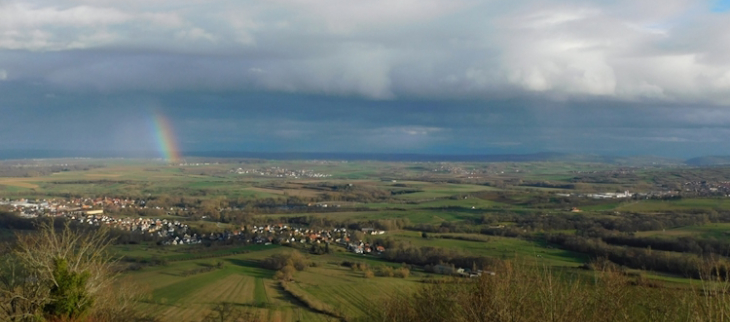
{"x":402,"y":272}
{"x":359,"y":266}
{"x":69,"y":298}
{"x":280,"y":260}
{"x":286,"y":273}
{"x":384,"y":271}
{"x":63,"y":273}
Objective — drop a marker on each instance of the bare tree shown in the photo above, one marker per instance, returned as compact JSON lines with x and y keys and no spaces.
{"x":64,"y":273}
{"x":22,"y":294}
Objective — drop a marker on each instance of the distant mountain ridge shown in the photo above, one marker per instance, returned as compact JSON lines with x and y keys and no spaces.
{"x":387,"y":157}
{"x":709,"y":160}
{"x":393,"y":157}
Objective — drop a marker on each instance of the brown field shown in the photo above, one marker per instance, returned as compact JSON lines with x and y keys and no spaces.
{"x":22,"y":183}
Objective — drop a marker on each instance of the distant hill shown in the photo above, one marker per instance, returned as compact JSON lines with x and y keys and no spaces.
{"x":388,"y":157}
{"x":709,"y":160}
{"x":642,"y":160}
{"x":414,"y":157}
{"x":395,"y":157}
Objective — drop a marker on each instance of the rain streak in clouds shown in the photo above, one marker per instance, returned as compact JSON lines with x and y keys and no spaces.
{"x":444,"y":76}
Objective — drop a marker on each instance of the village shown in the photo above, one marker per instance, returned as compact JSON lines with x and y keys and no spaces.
{"x":278,"y":172}
{"x":57,"y":207}
{"x":174,"y":232}
{"x":707,"y":188}
{"x":662,"y":194}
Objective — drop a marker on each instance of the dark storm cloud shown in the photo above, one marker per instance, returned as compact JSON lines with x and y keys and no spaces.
{"x":292,"y":122}
{"x":444,"y":76}
{"x":650,"y":50}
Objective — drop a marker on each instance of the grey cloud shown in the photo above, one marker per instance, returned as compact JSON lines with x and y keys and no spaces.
{"x":416,"y":76}
{"x":661,"y":51}
{"x":295,"y":122}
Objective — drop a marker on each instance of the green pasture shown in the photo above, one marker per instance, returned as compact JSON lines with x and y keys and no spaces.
{"x":423,"y":216}
{"x":713,"y":230}
{"x":498,"y":247}
{"x":675,"y":205}
{"x":416,"y":216}
{"x":442,"y":190}
{"x":468,"y":203}
{"x":175,"y":296}
{"x":349,"y":291}
{"x":133,"y":179}
{"x":602,"y":207}
{"x":183,"y":252}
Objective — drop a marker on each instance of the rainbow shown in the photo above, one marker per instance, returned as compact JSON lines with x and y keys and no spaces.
{"x":165,"y":137}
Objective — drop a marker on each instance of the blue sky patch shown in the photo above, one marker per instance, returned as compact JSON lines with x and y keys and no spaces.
{"x":721,"y":6}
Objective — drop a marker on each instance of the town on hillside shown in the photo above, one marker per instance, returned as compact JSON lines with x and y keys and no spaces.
{"x":174,"y":232}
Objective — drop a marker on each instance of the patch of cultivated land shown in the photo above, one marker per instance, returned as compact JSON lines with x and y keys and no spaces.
{"x":715,"y":230}
{"x":176,"y":295}
{"x":348,"y":291}
{"x":103,"y":175}
{"x":179,"y":298}
{"x":676,"y":205}
{"x":290,"y":192}
{"x":22,"y":183}
{"x":498,"y":247}
{"x":442,"y":190}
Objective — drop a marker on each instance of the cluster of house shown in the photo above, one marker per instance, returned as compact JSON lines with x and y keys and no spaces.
{"x":173,"y":232}
{"x":706,"y":188}
{"x":184,"y":240}
{"x":196,"y":164}
{"x":80,"y":210}
{"x":159,"y":227}
{"x":361,"y":247}
{"x":451,"y":169}
{"x":474,"y":173}
{"x":281,"y":173}
{"x":464,"y":272}
{"x":59,"y":207}
{"x":372,"y":231}
{"x":603,"y":195}
{"x":626,"y":194}
{"x":610,"y":195}
{"x":28,"y":209}
{"x":284,"y":234}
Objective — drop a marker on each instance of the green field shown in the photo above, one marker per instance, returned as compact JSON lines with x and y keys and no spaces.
{"x":499,"y":247}
{"x":676,"y":205}
{"x":176,"y":297}
{"x":718,"y":231}
{"x":359,"y":194}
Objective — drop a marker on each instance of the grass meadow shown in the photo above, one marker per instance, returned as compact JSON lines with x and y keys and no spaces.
{"x":177,"y":297}
{"x":413,"y":191}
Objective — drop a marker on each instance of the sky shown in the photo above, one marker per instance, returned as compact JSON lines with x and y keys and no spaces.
{"x":618,"y":77}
